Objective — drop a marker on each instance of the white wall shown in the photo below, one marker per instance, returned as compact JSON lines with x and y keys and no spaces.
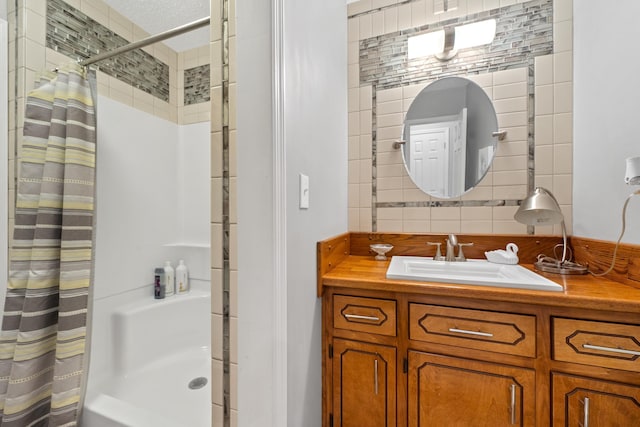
{"x":194,"y":180}
{"x":606,"y":94}
{"x":315,"y":137}
{"x":255,"y":213}
{"x":316,"y":145}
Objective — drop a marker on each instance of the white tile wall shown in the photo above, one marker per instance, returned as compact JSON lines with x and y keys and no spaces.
{"x":508,"y":89}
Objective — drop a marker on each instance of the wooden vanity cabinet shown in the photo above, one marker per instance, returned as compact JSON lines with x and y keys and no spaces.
{"x":397,"y":359}
{"x":363,"y":391}
{"x":374,"y":376}
{"x":580,"y":401}
{"x":364,"y":376}
{"x":450,"y":391}
{"x":419,"y":354}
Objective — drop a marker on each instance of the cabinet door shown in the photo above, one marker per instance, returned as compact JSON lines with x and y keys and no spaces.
{"x":594,"y":403}
{"x":364,"y":384}
{"x":452,"y":392}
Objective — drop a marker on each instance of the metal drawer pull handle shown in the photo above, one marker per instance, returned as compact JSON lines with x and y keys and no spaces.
{"x":464,"y":331}
{"x":513,"y":403}
{"x":359,"y":317}
{"x":375,"y":375}
{"x":585,"y":412}
{"x":611,"y":349}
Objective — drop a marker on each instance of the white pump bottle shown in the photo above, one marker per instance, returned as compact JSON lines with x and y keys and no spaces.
{"x":182,"y":278}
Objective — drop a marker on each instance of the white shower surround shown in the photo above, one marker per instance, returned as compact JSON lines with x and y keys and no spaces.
{"x":153,"y":205}
{"x":153,"y":198}
{"x":158,"y":347}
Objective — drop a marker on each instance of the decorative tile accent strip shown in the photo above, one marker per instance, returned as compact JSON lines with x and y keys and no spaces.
{"x":197,"y":83}
{"x":226,"y":219}
{"x":77,"y":36}
{"x":448,"y":204}
{"x":523,"y":30}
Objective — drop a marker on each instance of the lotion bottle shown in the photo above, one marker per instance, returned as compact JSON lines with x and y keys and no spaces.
{"x":182,"y":278}
{"x":169,"y":278}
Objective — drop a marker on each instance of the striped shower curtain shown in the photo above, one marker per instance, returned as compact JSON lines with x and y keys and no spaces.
{"x":44,"y":341}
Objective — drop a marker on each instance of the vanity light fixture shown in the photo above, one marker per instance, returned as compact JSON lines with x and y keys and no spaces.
{"x":444,"y":44}
{"x":541,"y":208}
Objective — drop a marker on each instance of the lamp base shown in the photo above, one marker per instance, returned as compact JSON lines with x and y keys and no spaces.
{"x":559,"y":267}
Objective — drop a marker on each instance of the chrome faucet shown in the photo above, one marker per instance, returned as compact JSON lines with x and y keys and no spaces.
{"x":452,"y":242}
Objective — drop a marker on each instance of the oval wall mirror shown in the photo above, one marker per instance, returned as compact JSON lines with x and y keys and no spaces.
{"x":450,"y":134}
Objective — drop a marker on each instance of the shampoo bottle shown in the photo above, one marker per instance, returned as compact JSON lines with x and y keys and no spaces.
{"x":169,"y":279}
{"x":159,"y":285}
{"x":182,"y":278}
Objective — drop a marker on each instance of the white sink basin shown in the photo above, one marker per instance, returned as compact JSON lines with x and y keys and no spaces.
{"x":470,"y":272}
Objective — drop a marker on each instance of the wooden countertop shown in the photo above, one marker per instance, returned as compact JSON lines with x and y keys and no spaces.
{"x":585,"y":291}
{"x":340,"y":265}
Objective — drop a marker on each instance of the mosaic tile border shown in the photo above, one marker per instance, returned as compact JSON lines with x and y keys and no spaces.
{"x":76,"y":35}
{"x":226,"y":220}
{"x":449,"y":204}
{"x":197,"y":82}
{"x":523,"y":30}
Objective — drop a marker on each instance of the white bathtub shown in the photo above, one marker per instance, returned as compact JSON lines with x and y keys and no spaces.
{"x":157,"y":348}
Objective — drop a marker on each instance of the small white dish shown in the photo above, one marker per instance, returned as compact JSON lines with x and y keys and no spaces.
{"x":502,"y":256}
{"x":381,"y":249}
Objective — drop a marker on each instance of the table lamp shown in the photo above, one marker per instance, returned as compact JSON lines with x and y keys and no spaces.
{"x":541,"y":208}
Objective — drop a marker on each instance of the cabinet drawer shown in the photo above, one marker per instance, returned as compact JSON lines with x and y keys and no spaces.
{"x":483,"y":330}
{"x":610,"y":345}
{"x":373,"y":315}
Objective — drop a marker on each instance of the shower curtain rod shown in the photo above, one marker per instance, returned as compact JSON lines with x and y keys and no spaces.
{"x":147,"y":41}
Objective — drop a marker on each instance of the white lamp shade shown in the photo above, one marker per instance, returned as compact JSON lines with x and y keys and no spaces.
{"x":539,"y":208}
{"x":425,"y":44}
{"x":476,"y":34}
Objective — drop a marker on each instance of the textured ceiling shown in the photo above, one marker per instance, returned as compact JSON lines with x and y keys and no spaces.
{"x":156,"y":16}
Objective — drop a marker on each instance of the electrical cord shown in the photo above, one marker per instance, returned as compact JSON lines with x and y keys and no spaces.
{"x":615,"y":250}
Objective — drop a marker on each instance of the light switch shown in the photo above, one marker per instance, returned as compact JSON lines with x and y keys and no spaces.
{"x":304,"y":191}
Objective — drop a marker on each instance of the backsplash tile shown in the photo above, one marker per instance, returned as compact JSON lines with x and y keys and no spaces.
{"x":523,"y":31}
{"x":197,"y":82}
{"x":507,"y":70}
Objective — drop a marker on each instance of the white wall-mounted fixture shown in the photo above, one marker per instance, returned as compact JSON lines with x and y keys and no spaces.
{"x":631,"y":177}
{"x":542,"y":208}
{"x":444,"y":44}
{"x":632,"y":173}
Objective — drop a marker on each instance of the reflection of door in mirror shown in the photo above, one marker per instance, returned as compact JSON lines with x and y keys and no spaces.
{"x":429,"y":156}
{"x":458,"y":156}
{"x":437,"y":155}
{"x":449,"y":165}
{"x":485,"y":155}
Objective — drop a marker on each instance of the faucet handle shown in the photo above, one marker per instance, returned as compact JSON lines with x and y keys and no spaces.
{"x":438,"y":256}
{"x":461,"y":256}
